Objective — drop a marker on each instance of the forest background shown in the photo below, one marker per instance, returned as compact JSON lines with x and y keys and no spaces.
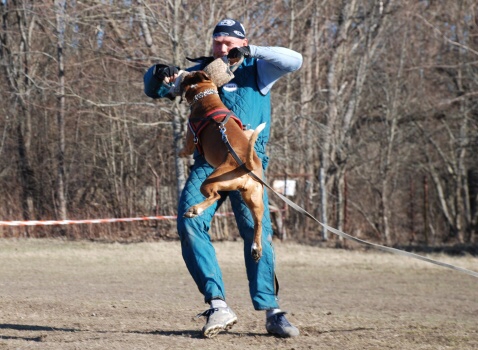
{"x":379,"y":128}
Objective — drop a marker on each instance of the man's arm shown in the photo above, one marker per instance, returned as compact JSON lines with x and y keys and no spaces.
{"x":153,"y":87}
{"x":157,"y":79}
{"x":273,"y":63}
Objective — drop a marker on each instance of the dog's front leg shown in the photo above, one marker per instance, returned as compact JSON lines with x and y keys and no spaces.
{"x":189,"y":145}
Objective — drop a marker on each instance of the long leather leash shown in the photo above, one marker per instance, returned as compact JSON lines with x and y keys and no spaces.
{"x":334,"y":230}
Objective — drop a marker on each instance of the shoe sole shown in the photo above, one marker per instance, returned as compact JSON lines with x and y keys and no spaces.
{"x":283,"y":335}
{"x":215,"y":330}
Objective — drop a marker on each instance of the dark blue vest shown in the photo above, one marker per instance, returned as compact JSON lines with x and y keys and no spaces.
{"x":242,"y":96}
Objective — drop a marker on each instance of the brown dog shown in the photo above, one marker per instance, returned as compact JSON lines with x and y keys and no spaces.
{"x":228,"y":175}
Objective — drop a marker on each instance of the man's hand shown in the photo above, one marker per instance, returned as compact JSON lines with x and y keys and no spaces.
{"x":236,"y":53}
{"x":164,"y":73}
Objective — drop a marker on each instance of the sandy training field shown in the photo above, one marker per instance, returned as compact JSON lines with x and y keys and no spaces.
{"x":81,"y":295}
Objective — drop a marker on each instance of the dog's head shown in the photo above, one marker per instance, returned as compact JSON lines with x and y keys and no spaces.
{"x":194,"y":83}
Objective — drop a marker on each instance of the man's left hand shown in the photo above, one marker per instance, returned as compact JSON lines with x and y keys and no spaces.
{"x":236,"y":53}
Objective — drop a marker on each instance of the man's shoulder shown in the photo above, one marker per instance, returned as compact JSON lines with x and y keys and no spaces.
{"x":196,"y":67}
{"x":199,"y":63}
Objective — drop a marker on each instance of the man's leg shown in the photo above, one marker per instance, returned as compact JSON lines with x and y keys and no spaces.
{"x":199,"y":254}
{"x":261,"y":275}
{"x":197,"y":249}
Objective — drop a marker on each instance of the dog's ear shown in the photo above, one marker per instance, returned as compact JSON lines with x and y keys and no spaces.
{"x":186,"y":81}
{"x":204,"y":76}
{"x":195,"y":78}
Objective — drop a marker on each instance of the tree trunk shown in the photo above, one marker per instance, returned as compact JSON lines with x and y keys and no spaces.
{"x":60,"y":22}
{"x":15,"y":56}
{"x":178,"y":120}
{"x":334,"y":69}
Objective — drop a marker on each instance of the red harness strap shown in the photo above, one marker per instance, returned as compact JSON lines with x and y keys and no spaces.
{"x":220,"y":116}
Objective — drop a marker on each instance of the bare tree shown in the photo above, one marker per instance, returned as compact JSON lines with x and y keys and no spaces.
{"x":18,"y":26}
{"x":377,"y":127}
{"x":450,"y":126}
{"x":60,"y":31}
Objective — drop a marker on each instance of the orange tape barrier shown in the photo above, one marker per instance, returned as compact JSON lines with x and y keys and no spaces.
{"x":94,"y":221}
{"x":75,"y":222}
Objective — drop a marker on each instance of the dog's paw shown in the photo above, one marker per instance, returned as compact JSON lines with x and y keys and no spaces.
{"x":256,"y":252}
{"x":192,"y":212}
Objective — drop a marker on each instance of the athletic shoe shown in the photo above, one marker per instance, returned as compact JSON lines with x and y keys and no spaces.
{"x":278,"y":325}
{"x":218,"y":319}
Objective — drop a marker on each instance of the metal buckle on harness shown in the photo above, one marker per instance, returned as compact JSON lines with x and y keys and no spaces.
{"x":222,"y":130}
{"x":196,"y":140}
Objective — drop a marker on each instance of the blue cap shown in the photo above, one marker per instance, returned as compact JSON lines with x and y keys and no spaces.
{"x":229,"y":27}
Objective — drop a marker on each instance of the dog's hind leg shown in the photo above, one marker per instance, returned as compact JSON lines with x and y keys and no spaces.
{"x":210,"y":188}
{"x":253,"y":197}
{"x":197,"y":209}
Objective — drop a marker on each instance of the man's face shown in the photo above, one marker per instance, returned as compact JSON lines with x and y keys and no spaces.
{"x":222,"y":44}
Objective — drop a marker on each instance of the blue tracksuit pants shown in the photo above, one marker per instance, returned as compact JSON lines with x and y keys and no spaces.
{"x":198,"y":251}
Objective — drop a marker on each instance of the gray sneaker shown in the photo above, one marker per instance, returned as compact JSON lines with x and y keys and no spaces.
{"x":278,"y":325}
{"x":218,"y":319}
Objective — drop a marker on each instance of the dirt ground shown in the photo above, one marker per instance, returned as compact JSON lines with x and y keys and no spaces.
{"x":83,"y":295}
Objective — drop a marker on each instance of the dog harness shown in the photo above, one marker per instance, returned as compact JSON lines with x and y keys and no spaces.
{"x":220,"y":116}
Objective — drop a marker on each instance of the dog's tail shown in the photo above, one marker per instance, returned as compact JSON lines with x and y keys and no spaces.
{"x":250,"y":148}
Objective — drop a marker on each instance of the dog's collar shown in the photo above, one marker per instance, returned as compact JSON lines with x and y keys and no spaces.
{"x":203,"y":94}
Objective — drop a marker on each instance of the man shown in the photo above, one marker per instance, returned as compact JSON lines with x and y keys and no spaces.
{"x":248,"y":96}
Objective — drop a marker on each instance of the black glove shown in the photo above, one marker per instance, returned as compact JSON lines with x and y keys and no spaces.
{"x":239,"y":52}
{"x":162,"y":71}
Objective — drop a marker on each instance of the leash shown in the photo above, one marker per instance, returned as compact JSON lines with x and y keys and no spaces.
{"x":334,"y":230}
